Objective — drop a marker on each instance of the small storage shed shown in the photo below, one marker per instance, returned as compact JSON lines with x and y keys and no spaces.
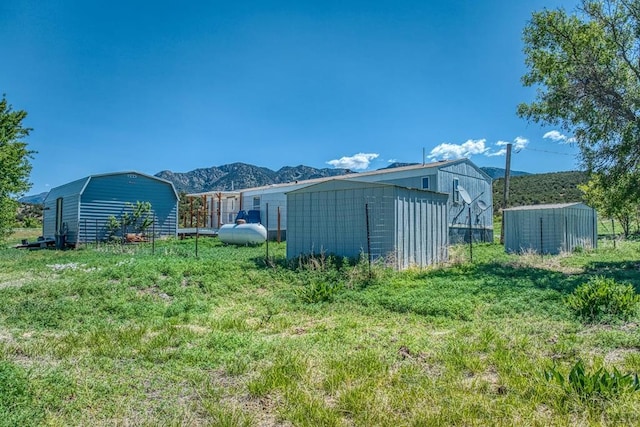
{"x":550,"y":229}
{"x":405,"y":226}
{"x":79,"y":210}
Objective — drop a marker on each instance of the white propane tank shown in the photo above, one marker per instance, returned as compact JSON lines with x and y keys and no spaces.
{"x":242,"y":234}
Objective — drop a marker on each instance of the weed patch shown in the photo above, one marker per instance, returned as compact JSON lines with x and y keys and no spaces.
{"x":603,"y":300}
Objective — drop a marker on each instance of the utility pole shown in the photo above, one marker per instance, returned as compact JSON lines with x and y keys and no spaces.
{"x":505,"y":201}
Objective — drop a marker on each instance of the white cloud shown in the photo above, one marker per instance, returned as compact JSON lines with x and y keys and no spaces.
{"x":500,"y":152}
{"x":446,"y":151}
{"x":392,"y":160}
{"x":356,"y":162}
{"x":518,"y":144}
{"x":556,"y":136}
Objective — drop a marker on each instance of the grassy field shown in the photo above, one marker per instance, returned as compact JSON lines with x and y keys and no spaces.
{"x":114,"y":335}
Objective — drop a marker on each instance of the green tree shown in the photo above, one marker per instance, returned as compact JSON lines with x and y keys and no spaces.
{"x":585,"y":66}
{"x":611,"y":200}
{"x":14,"y":163}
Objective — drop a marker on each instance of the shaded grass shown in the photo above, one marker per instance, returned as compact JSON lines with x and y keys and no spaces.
{"x":120,"y":335}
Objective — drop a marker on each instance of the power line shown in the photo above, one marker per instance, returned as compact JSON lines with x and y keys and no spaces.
{"x":546,"y":151}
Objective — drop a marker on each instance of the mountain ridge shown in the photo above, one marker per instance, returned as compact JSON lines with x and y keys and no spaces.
{"x":236,"y":176}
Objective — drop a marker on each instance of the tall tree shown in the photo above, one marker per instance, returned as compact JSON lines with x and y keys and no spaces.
{"x":611,"y":200}
{"x":586,"y":68}
{"x":14,"y":163}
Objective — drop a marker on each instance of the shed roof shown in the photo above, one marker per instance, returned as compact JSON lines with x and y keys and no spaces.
{"x":341,"y":184}
{"x":78,"y":186}
{"x":549,"y":206}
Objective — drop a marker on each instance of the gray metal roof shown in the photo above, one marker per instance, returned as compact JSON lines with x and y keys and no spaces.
{"x":352,"y":183}
{"x":355,"y":175}
{"x":548,"y":206}
{"x":79,"y":185}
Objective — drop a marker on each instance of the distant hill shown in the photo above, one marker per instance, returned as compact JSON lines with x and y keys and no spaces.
{"x":236,"y":176}
{"x":35,"y":199}
{"x":496,"y":173}
{"x":556,"y":187}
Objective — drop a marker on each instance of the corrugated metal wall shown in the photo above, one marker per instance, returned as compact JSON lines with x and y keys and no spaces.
{"x":421,"y":231}
{"x":550,"y":230}
{"x":406,"y":227}
{"x":70,"y":194}
{"x":108,"y":195}
{"x":479,"y":188}
{"x":87,"y":204}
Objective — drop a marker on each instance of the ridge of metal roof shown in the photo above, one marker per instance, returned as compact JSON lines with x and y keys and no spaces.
{"x":369,"y":183}
{"x":88,"y":178}
{"x":545,"y":206}
{"x":356,"y":174}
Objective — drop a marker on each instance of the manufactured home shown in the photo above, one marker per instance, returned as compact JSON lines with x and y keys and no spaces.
{"x":468,"y":206}
{"x":79,"y":211}
{"x":402,"y":226}
{"x":550,"y":229}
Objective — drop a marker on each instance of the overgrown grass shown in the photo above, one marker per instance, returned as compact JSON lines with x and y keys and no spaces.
{"x":120,"y":335}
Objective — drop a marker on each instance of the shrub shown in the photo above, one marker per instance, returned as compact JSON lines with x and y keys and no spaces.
{"x":599,"y":384}
{"x":319,"y":291}
{"x":602,"y":299}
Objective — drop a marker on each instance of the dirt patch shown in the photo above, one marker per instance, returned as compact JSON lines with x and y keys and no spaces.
{"x":16,"y":283}
{"x":618,"y":356}
{"x":198,"y":329}
{"x":489,"y":379}
{"x":154,"y":291}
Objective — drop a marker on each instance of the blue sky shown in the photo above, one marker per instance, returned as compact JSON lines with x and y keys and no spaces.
{"x":150,"y":86}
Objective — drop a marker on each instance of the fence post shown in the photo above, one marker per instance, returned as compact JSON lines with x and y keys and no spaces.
{"x":366,"y":215}
{"x":278,"y":236}
{"x":566,"y":234}
{"x":197,"y":236}
{"x":541,"y":241}
{"x":153,"y":235}
{"x":267,"y":221}
{"x":470,"y":237}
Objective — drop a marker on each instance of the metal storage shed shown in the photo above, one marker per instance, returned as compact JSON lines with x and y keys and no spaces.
{"x":550,"y":229}
{"x":80,"y":209}
{"x":405,"y":226}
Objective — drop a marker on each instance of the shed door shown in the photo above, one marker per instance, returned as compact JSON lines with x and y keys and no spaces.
{"x":58,"y":215}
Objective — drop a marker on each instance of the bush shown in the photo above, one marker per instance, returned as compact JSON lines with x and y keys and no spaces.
{"x":602,"y":299}
{"x":599,"y":384}
{"x":319,"y":291}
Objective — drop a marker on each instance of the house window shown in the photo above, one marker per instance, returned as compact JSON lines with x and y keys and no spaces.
{"x":425,"y":183}
{"x":455,"y":193}
{"x":256,"y":203}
